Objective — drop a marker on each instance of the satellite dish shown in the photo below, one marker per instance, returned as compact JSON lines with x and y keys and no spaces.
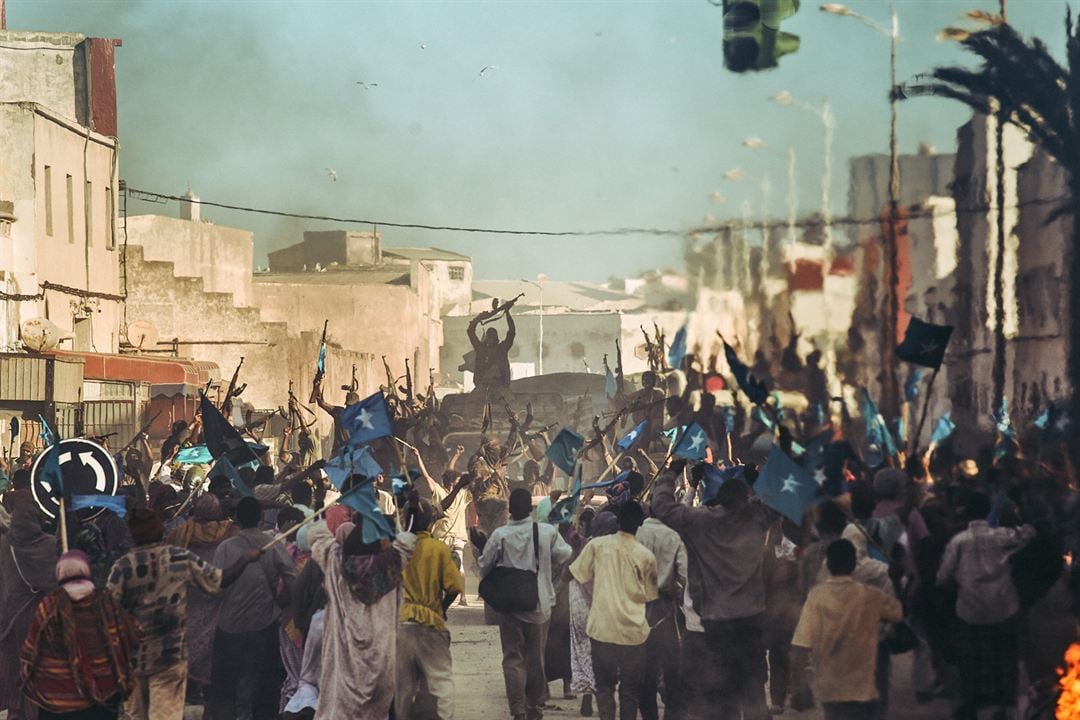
{"x":142,"y":334}
{"x":39,"y":334}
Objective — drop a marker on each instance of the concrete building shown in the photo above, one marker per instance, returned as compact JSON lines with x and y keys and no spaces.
{"x":924,"y":231}
{"x":194,"y":282}
{"x":975,"y":191}
{"x":451,"y":273}
{"x":1036,"y":373}
{"x":59,"y":188}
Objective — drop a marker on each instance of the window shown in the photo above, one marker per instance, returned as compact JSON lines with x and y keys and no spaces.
{"x":70,"y":210}
{"x":110,"y":221}
{"x":457,"y":272}
{"x":48,"y":201}
{"x":88,"y":210}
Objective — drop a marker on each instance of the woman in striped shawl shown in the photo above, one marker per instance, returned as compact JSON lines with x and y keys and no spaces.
{"x":76,"y":660}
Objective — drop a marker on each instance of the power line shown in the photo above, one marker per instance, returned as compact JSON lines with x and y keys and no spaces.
{"x":155,"y":197}
{"x":913,"y":212}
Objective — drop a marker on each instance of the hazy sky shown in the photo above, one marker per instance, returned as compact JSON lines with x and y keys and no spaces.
{"x":599,"y":114}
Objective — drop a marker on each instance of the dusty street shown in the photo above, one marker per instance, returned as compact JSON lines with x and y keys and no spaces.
{"x":480,"y":695}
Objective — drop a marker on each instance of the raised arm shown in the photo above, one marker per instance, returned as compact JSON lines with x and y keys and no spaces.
{"x":665,"y":507}
{"x":458,"y":452}
{"x":511,"y":331}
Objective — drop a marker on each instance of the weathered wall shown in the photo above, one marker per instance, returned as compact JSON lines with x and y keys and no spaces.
{"x":1038,"y":373}
{"x":376,"y":318}
{"x":40,"y":67}
{"x":220,"y":256}
{"x":80,"y":253}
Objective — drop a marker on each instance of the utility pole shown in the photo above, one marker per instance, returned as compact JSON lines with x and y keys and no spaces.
{"x":890,"y":395}
{"x":999,"y":366}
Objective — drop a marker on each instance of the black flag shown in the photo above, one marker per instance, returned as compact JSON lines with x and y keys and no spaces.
{"x":924,"y":343}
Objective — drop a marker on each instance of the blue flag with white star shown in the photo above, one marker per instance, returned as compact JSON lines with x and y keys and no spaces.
{"x":715,"y":478}
{"x":632,"y":437}
{"x":786,"y":487}
{"x":564,"y":449}
{"x":693,"y":443}
{"x":361,"y":500}
{"x":564,"y":510}
{"x":367,"y":420}
{"x":924,"y":343}
{"x":749,"y":383}
{"x":352,"y":461}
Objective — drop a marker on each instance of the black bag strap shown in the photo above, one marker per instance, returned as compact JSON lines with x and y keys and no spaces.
{"x":536,"y":545}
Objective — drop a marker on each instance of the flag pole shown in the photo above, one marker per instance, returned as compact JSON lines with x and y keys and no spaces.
{"x":914,"y":445}
{"x":62,"y":516}
{"x":295,"y":528}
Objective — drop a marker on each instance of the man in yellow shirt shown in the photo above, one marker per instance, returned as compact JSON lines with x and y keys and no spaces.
{"x":430,"y":582}
{"x":838,"y":629}
{"x":623,"y":573}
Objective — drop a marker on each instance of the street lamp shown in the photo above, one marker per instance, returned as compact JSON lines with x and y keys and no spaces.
{"x":539,"y":285}
{"x":757,"y":144}
{"x":824,"y":114}
{"x":890,"y":388}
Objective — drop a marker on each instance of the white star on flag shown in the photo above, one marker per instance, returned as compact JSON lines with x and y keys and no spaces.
{"x":633,"y":435}
{"x":928,"y":349}
{"x":365,"y":418}
{"x":819,"y":476}
{"x":1062,"y":423}
{"x":696,"y":440}
{"x":790,"y":484}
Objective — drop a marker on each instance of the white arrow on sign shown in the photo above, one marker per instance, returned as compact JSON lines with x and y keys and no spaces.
{"x":99,"y":472}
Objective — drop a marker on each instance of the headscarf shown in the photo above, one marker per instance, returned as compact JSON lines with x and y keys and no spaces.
{"x":337,"y":515}
{"x":207,"y":508}
{"x":343,"y":531}
{"x":74,"y":575}
{"x":371,"y":570}
{"x":207,"y":525}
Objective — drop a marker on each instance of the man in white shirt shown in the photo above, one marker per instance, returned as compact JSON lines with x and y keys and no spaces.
{"x":523,"y":634}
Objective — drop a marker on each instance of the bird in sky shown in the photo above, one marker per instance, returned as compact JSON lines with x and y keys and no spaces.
{"x":423,"y":46}
{"x":486,"y":68}
{"x":332,"y":174}
{"x":367,"y":86}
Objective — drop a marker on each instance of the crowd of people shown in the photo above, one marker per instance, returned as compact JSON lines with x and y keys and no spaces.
{"x":663,"y":586}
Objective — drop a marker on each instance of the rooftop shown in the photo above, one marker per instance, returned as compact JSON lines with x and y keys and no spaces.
{"x":425,"y":253}
{"x":570,"y":295}
{"x":338,"y":276}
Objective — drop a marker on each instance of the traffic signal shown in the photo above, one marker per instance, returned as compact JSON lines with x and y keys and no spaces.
{"x":752,"y":36}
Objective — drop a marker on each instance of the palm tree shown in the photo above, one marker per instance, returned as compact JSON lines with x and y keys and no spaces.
{"x":1021,"y":83}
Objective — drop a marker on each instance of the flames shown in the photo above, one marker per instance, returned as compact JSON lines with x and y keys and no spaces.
{"x":1068,"y":705}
